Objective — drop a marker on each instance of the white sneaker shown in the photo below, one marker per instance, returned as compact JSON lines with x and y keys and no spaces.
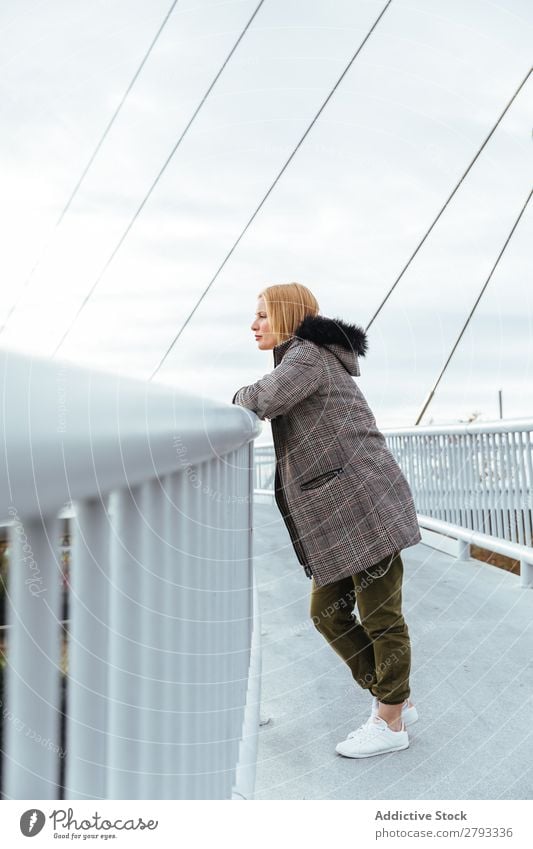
{"x":409,"y":714}
{"x":374,"y":737}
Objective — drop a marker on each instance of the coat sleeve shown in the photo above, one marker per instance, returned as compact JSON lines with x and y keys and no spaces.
{"x":298,"y":375}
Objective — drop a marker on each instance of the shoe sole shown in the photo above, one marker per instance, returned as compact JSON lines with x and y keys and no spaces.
{"x":372,"y":754}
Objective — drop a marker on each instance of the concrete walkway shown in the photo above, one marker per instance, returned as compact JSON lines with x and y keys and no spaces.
{"x":471,"y":628}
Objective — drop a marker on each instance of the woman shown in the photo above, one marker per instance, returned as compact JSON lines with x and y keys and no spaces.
{"x":346,"y":504}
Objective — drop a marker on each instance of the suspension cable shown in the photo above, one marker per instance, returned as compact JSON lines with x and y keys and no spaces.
{"x":273,"y":184}
{"x":476,"y":157}
{"x":89,"y":164}
{"x":465,"y":325}
{"x":155,"y":182}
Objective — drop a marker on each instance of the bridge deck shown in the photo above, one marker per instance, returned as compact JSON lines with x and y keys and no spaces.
{"x":472,"y":681}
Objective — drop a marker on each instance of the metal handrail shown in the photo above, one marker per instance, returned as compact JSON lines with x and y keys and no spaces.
{"x":157,"y":486}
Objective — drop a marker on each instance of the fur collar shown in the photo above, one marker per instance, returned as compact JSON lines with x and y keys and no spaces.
{"x":333,"y":331}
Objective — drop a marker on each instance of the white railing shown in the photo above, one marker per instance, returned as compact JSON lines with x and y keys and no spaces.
{"x":264,"y":468}
{"x":155,"y":670}
{"x":473,"y":482}
{"x":477,"y":476}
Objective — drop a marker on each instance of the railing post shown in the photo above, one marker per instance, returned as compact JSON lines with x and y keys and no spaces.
{"x":464,"y":550}
{"x":526,"y":575}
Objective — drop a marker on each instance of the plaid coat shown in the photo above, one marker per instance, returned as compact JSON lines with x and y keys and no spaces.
{"x":342,"y":495}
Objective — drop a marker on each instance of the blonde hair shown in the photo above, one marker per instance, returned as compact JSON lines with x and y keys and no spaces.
{"x":287,"y":304}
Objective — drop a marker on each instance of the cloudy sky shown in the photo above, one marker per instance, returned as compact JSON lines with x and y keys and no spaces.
{"x":346,"y":215}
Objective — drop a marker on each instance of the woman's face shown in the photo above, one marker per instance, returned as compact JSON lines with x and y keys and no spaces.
{"x":261,"y":328}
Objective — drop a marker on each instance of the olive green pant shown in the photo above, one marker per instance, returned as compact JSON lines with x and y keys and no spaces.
{"x":377,"y":648}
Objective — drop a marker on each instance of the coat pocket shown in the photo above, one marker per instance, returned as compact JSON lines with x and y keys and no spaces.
{"x":319,"y":480}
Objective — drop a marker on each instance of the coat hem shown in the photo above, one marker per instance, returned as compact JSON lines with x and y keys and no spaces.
{"x":356,"y":568}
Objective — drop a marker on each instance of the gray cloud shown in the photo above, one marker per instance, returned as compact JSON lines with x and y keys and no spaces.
{"x":343,"y":220}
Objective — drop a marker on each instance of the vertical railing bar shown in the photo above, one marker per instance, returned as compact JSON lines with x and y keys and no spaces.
{"x":469,"y":481}
{"x":232,"y":460}
{"x":491,"y":459}
{"x":497,"y":484}
{"x":230,"y":683}
{"x":242,"y":554}
{"x":224,"y":776}
{"x":437,"y":480}
{"x":517,"y":485}
{"x":218,"y":626}
{"x":484,"y":485}
{"x":468,"y":503}
{"x":171,"y":758}
{"x":152,"y":651}
{"x":505,"y":489}
{"x":124,"y":677}
{"x":421,"y":480}
{"x":454,"y":501}
{"x":419,"y":490}
{"x":522,"y":487}
{"x":479,"y":482}
{"x":446,"y":476}
{"x":528,"y":494}
{"x":404,"y":441}
{"x":413,"y":483}
{"x":493,"y":520}
{"x":509,"y":487}
{"x":453,"y":484}
{"x":427,"y":476}
{"x":33,"y":671}
{"x":176,"y":637}
{"x":89,"y":629}
{"x":500,"y":486}
{"x":232,"y":672}
{"x":201,"y":585}
{"x":464,"y":499}
{"x":209,"y":758}
{"x":433,"y":482}
{"x":454,"y":479}
{"x":488,"y":453}
{"x":181,"y":634}
{"x":225,"y":526}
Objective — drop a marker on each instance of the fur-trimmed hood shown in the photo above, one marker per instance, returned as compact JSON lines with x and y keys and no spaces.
{"x":346,"y":341}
